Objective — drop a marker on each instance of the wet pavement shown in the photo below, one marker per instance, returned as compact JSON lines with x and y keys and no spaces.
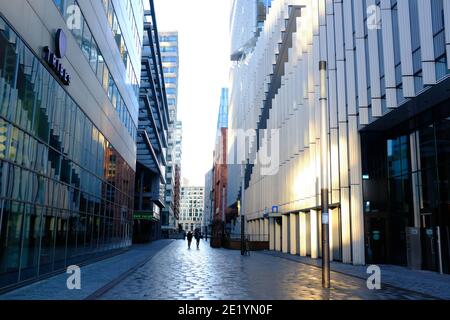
{"x":95,"y":277}
{"x":178,"y":273}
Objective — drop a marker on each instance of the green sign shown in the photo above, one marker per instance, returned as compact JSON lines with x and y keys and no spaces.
{"x":142,"y":215}
{"x":376,"y":235}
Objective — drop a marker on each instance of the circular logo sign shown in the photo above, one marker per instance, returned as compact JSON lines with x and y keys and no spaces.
{"x":60,"y":44}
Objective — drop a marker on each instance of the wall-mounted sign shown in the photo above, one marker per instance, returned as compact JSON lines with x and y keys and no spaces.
{"x":60,"y":44}
{"x":52,"y":58}
{"x":143,"y":215}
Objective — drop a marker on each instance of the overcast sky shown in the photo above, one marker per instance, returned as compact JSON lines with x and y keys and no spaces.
{"x":203,"y":27}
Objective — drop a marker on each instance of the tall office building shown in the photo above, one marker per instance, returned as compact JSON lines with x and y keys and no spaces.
{"x":208,"y":203}
{"x":170,"y":62}
{"x":191,"y":208}
{"x":69,"y":83}
{"x":388,"y":129}
{"x":178,"y":150}
{"x":152,"y":141}
{"x":220,"y":172}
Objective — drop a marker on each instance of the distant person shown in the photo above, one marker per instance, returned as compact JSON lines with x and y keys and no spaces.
{"x":197,"y":238}
{"x":189,"y":239}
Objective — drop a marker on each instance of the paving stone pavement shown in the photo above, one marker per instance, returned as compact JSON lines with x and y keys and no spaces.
{"x":208,"y":274}
{"x":94,"y":276}
{"x":422,"y":281}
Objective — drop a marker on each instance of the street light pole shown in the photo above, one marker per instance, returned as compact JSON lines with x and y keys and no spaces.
{"x":240,"y":209}
{"x":324,"y":168}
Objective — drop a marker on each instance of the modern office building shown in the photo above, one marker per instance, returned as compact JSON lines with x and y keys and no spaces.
{"x":152,"y":139}
{"x":170,"y":62}
{"x":208,"y":203}
{"x":178,"y":148}
{"x":178,"y":151}
{"x":388,"y":128}
{"x":191,"y":208}
{"x":220,"y":172}
{"x":69,"y":75}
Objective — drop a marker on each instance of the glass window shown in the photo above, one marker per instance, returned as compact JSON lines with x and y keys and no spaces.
{"x":78,"y":32}
{"x":110,"y":13}
{"x":93,"y":61}
{"x":100,"y":66}
{"x":45,"y":211}
{"x":31,"y":238}
{"x":48,"y":241}
{"x":10,"y":233}
{"x":4,"y":128}
{"x":87,"y":38}
{"x":115,"y":94}
{"x":110,"y":87}
{"x":105,"y":78}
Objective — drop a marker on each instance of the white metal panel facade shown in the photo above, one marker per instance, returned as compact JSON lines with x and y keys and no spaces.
{"x":371,"y":71}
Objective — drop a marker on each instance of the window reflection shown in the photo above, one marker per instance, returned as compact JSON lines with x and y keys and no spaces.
{"x":59,"y":204}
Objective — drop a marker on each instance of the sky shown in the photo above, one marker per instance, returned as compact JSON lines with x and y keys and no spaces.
{"x":204,"y":49}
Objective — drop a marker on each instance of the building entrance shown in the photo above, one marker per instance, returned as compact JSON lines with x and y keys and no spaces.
{"x":406,"y":175}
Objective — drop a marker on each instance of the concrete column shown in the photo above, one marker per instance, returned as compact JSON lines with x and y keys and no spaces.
{"x":314,"y":236}
{"x":271,"y":230}
{"x":266,"y":229}
{"x":357,"y":217}
{"x":346,"y":229}
{"x":356,"y":194}
{"x":261,"y":229}
{"x":302,"y":229}
{"x":277,"y":237}
{"x":285,"y":239}
{"x":293,"y":234}
{"x":253,"y":230}
{"x":334,"y":232}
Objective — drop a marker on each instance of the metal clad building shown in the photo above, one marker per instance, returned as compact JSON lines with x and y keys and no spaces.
{"x":387,"y":90}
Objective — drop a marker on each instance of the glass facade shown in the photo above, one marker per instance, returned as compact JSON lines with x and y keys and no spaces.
{"x":407,"y":175}
{"x":437,"y":11}
{"x":93,"y":54}
{"x":168,"y":43}
{"x":120,"y":40}
{"x":65,"y":193}
{"x":152,"y":138}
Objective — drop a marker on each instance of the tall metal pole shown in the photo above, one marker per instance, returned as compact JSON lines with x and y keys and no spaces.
{"x":324,"y":168}
{"x":241,"y":211}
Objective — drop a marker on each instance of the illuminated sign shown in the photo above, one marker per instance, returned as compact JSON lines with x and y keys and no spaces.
{"x":148,"y":215}
{"x":143,"y":215}
{"x":52,"y":58}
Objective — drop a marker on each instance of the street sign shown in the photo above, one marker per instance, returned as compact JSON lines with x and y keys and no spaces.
{"x":143,"y":215}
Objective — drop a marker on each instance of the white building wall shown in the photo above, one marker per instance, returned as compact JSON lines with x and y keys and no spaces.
{"x":357,"y":55}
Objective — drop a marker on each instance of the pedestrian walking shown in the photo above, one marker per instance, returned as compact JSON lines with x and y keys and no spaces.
{"x":189,"y":239}
{"x":197,"y":236}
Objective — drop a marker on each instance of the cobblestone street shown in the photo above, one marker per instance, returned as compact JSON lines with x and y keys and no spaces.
{"x":178,"y":273}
